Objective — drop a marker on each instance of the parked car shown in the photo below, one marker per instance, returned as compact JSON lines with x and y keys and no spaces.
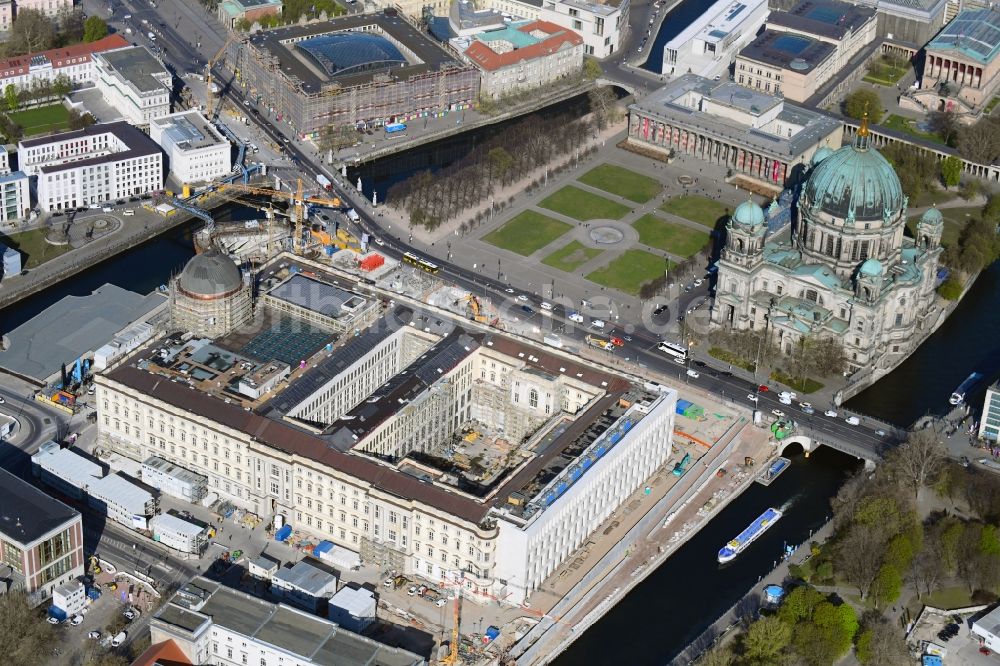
{"x":128,"y":615}
{"x":76,"y":620}
{"x":387,"y":582}
{"x":440,"y":602}
{"x":527,"y":310}
{"x":576,"y":316}
{"x":119,"y":639}
{"x":412,"y":591}
{"x":95,"y":635}
{"x":832,"y":413}
{"x":53,"y":620}
{"x":777,"y":412}
{"x":853,"y":420}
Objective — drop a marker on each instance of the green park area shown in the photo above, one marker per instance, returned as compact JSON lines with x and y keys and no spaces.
{"x":42,"y":120}
{"x":630,"y":271}
{"x":582,"y":205}
{"x":700,"y":210}
{"x":35,"y":250}
{"x":887,"y":70}
{"x":908,"y":126}
{"x":623,"y":182}
{"x":571,"y":257}
{"x":527,"y":232}
{"x":677,"y":239}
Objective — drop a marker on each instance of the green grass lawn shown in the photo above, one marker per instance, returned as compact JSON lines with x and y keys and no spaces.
{"x":901,"y":124}
{"x":571,"y":257}
{"x":34,"y":249}
{"x":806,"y":385}
{"x":623,"y":182}
{"x":934,"y":196}
{"x":41,"y":120}
{"x":885,"y":72}
{"x":992,"y":105}
{"x":955,"y":220}
{"x":629,"y":271}
{"x":732,"y":359}
{"x":949,"y":597}
{"x":676,"y":239}
{"x":527,"y":232}
{"x":701,"y":210}
{"x":582,"y":205}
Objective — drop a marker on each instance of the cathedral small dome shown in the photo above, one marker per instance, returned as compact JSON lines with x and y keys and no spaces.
{"x":872,"y":267}
{"x":749,"y":214}
{"x":821,"y":154}
{"x":932,"y":216}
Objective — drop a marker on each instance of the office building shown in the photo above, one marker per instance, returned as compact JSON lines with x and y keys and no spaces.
{"x":709,"y":44}
{"x":753,"y":133}
{"x":70,"y":597}
{"x":360,"y":69}
{"x":75,"y":62}
{"x":133,"y":82}
{"x":94,"y":165}
{"x":53,"y":9}
{"x":845,"y":272}
{"x":41,"y":539}
{"x":213,"y":624}
{"x":522,"y":56}
{"x":989,"y":422}
{"x":15,"y":199}
{"x":349,"y":447}
{"x":196,"y":151}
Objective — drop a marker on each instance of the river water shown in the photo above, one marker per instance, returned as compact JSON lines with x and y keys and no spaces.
{"x":965,"y":343}
{"x":677,"y":602}
{"x":673,"y":23}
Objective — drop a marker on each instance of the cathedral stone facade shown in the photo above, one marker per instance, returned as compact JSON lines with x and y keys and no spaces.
{"x":844,"y":269}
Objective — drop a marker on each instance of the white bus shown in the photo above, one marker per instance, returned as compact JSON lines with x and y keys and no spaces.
{"x":679,"y":352}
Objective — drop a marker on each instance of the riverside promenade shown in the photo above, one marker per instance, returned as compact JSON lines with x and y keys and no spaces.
{"x":684,"y":509}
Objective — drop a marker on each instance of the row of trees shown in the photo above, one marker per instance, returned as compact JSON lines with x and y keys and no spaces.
{"x":293,"y":11}
{"x":33,"y":31}
{"x":430,"y":199}
{"x":811,"y":356}
{"x":40,"y":90}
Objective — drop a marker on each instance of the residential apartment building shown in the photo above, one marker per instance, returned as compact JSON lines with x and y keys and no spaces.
{"x":522,"y":56}
{"x":41,"y":539}
{"x":6,"y":15}
{"x":601,"y":25}
{"x":213,"y":624}
{"x":100,"y":163}
{"x":196,"y":151}
{"x":75,"y":62}
{"x":134,"y":82}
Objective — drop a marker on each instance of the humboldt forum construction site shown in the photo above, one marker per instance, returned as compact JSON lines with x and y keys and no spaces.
{"x":429,"y":444}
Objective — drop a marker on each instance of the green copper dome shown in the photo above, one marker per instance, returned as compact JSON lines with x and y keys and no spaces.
{"x":748,"y":213}
{"x":855,"y":179}
{"x":872,"y":267}
{"x":932,"y":216}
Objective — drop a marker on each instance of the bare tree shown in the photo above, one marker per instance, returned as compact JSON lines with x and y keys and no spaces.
{"x":31,"y":31}
{"x":917,"y":460}
{"x":927,"y":569}
{"x":860,"y":555}
{"x":881,"y":643}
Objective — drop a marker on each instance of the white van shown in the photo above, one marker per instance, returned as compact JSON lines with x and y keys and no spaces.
{"x":353,"y":215}
{"x":119,"y":639}
{"x":853,"y":420}
{"x":576,"y":316}
{"x":598,"y":323}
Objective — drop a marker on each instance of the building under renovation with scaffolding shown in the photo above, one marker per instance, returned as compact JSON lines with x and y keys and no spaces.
{"x":366,"y":69}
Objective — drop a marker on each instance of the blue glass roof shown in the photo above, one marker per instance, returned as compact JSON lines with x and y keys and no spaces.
{"x":974,"y":33}
{"x":793,"y":44}
{"x":346,"y":53}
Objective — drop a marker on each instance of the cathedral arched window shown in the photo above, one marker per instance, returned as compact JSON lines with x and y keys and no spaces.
{"x":812,"y":295}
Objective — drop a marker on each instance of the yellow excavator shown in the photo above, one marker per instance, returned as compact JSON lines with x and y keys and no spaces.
{"x":475,"y":307}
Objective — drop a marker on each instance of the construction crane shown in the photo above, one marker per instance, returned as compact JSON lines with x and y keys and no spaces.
{"x":298,"y":200}
{"x":208,"y":75}
{"x":452,"y":659}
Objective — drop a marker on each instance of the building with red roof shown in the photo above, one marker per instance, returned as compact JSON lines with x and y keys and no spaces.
{"x":164,"y":653}
{"x":75,"y":62}
{"x":522,"y":56}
